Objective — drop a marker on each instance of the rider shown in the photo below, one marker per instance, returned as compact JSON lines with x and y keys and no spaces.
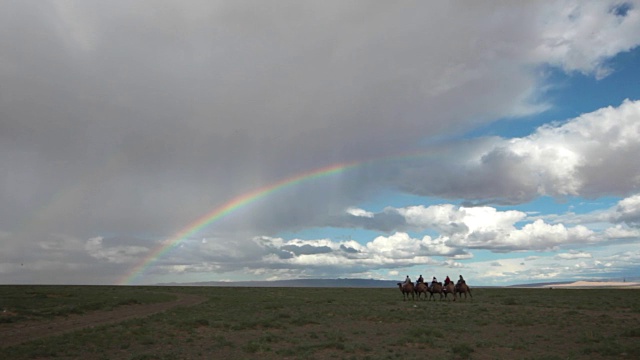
{"x":461,"y":280}
{"x":407,"y":280}
{"x":434,"y":281}
{"x":447,"y":281}
{"x":420,"y":279}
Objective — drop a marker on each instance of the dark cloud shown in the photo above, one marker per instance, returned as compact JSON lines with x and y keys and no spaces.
{"x":349,"y":250}
{"x":386,"y":221}
{"x":306,"y":249}
{"x":167,"y":115}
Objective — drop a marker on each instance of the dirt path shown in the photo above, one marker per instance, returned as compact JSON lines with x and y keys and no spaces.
{"x":14,"y":334}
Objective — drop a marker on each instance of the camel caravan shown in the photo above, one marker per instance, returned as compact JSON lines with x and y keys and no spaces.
{"x":408,"y":288}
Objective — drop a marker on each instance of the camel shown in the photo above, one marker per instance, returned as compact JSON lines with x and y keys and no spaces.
{"x":421,"y":288}
{"x":407,"y":289}
{"x":449,"y":289}
{"x":436,"y":288}
{"x":463,"y":288}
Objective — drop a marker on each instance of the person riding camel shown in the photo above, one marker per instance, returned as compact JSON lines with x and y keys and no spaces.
{"x":447,"y":281}
{"x":407,"y":280}
{"x":434,"y":281}
{"x":461,"y":280}
{"x":420,"y":279}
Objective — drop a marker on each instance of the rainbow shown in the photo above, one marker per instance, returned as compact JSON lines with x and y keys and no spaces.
{"x":225,"y":209}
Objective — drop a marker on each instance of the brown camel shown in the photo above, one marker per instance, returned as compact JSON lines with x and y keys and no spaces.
{"x":463,"y":288}
{"x":436,"y":288}
{"x":449,"y":289}
{"x":407,"y":289}
{"x":421,"y":288}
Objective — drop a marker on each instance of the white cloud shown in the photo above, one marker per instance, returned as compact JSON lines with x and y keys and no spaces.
{"x":397,"y":250}
{"x":481,"y":227}
{"x":359,"y":212}
{"x":579,"y":36}
{"x":541,"y":236}
{"x":607,"y":263}
{"x":619,"y":232}
{"x":402,"y":245}
{"x":628,"y":210}
{"x":453,"y":264}
{"x":578,"y":158}
{"x":574,"y":255}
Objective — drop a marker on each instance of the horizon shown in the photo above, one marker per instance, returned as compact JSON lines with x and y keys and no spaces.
{"x":351,"y":282}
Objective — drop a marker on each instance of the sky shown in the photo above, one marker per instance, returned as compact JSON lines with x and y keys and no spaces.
{"x":146,"y":142}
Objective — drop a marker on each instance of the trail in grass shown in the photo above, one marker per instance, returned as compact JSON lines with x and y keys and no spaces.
{"x":15,"y":334}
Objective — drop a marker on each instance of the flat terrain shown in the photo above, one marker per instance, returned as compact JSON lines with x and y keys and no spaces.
{"x":93,"y":322}
{"x":24,"y":331}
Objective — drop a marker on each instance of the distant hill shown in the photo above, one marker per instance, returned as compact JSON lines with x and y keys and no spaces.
{"x":363,"y":283}
{"x":346,"y":283}
{"x":540,"y":285}
{"x":626,"y":282}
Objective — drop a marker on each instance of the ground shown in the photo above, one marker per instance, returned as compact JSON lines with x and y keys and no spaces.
{"x":323,"y":323}
{"x":17,"y":333}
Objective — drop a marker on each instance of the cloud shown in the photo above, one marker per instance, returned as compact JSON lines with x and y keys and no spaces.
{"x":115,"y":254}
{"x":574,"y":255}
{"x":402,"y":245}
{"x":388,"y":220}
{"x":146,"y":115}
{"x":571,"y":44}
{"x":482,"y":227}
{"x":577,"y":158}
{"x":619,"y":232}
{"x":359,"y":212}
{"x":607,"y":263}
{"x":396,"y":250}
{"x":536,"y":236}
{"x":628,"y":211}
{"x":449,"y":219}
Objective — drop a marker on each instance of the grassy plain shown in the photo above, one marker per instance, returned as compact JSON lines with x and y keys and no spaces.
{"x":335,"y":323}
{"x":47,"y":302}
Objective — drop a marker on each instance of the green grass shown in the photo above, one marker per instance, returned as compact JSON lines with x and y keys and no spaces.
{"x":328,"y":323}
{"x":45,"y":302}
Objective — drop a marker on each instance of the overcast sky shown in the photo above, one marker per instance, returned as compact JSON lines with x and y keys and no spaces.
{"x":498,"y":140}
